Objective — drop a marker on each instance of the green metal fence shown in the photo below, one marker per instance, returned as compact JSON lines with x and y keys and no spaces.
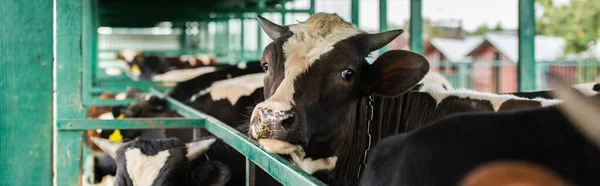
{"x":502,"y":76}
{"x":25,"y":102}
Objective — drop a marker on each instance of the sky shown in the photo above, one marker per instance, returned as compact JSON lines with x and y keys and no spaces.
{"x":472,"y":12}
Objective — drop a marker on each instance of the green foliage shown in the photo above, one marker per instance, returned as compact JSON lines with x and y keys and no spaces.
{"x":578,"y":23}
{"x":482,"y":29}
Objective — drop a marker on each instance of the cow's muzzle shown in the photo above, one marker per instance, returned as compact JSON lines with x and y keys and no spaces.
{"x":269,"y":123}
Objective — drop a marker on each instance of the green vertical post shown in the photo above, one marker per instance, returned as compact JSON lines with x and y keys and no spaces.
{"x":354,"y":11}
{"x":312,"y":7}
{"x":227,"y":37}
{"x":250,"y":173}
{"x":242,"y":35}
{"x":86,"y":45}
{"x":68,"y":89}
{"x":26,"y":93}
{"x":526,"y":62}
{"x":416,"y":26}
{"x":94,"y":41}
{"x":182,"y":38}
{"x":383,"y":20}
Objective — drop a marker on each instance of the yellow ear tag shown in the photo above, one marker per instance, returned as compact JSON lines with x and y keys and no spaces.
{"x":135,"y":68}
{"x":116,"y":136}
{"x":121,"y":116}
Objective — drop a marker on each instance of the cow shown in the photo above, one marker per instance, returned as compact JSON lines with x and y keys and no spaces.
{"x":164,"y":162}
{"x":325,"y":105}
{"x":563,"y":138}
{"x":507,"y":173}
{"x":226,"y":94}
{"x":588,"y":89}
{"x":147,"y":66}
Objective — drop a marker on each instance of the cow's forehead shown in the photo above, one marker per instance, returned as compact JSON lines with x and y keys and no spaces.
{"x":309,"y":41}
{"x":315,"y":37}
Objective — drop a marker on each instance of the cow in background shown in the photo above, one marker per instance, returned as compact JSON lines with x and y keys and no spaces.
{"x":146,"y":66}
{"x":164,"y":162}
{"x":588,"y":89}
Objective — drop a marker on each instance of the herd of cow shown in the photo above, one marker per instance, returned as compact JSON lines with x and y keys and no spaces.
{"x":314,"y":99}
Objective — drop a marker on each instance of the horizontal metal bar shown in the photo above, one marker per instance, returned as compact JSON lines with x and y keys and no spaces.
{"x":107,"y":102}
{"x":181,"y":108}
{"x":145,"y":123}
{"x":281,"y":169}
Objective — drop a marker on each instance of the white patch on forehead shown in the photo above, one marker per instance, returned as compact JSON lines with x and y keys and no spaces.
{"x":143,"y":169}
{"x":183,"y":74}
{"x":495,"y":99}
{"x":310,"y":40}
{"x":121,"y":96}
{"x":129,"y":54}
{"x":242,"y":65}
{"x":106,"y":116}
{"x":435,"y":81}
{"x":233,"y":89}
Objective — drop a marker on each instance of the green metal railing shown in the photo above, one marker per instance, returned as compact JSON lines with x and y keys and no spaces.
{"x":77,"y":81}
{"x":462,"y":73}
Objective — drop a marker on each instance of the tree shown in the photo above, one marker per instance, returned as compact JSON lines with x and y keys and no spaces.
{"x":578,"y":23}
{"x":480,"y":30}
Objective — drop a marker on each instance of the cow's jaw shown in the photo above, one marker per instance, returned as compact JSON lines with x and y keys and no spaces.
{"x":277,"y":146}
{"x":298,"y":156}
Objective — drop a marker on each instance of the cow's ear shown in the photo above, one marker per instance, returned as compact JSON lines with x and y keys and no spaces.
{"x":393,"y":73}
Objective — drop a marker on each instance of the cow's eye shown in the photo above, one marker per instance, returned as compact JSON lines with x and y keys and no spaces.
{"x":265,"y":65}
{"x":347,"y":74}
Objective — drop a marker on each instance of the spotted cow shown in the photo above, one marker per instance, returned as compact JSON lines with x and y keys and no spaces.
{"x":325,"y":105}
{"x":164,"y":162}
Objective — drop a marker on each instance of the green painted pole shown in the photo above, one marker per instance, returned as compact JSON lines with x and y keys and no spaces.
{"x":242,"y":35}
{"x":416,"y":26}
{"x":86,"y":44}
{"x":26,"y":93}
{"x":68,"y":89}
{"x":94,"y":42}
{"x":383,"y":20}
{"x":355,"y":12}
{"x":311,"y":9}
{"x":182,"y":38}
{"x":526,"y":62}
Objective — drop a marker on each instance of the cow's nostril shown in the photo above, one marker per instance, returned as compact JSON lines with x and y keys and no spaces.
{"x":288,"y":121}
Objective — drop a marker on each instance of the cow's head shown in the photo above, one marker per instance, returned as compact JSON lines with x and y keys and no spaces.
{"x":163,"y":162}
{"x":315,"y":73}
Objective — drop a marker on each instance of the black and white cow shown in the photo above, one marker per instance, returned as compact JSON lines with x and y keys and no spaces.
{"x":226,"y":94}
{"x":317,"y":84}
{"x":442,"y":153}
{"x":588,"y":89}
{"x":164,"y":162}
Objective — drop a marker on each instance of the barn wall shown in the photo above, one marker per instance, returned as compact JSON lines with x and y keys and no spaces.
{"x":484,"y":77}
{"x":26,"y":93}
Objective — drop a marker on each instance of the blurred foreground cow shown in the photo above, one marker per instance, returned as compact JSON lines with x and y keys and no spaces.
{"x":443,"y":152}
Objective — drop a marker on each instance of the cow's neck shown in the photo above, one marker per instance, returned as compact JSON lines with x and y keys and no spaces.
{"x":391,"y":116}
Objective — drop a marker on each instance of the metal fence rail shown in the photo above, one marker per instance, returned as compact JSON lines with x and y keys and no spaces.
{"x":502,"y":76}
{"x":281,"y":169}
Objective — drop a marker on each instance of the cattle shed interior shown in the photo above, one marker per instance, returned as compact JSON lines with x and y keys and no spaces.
{"x":53,"y":55}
